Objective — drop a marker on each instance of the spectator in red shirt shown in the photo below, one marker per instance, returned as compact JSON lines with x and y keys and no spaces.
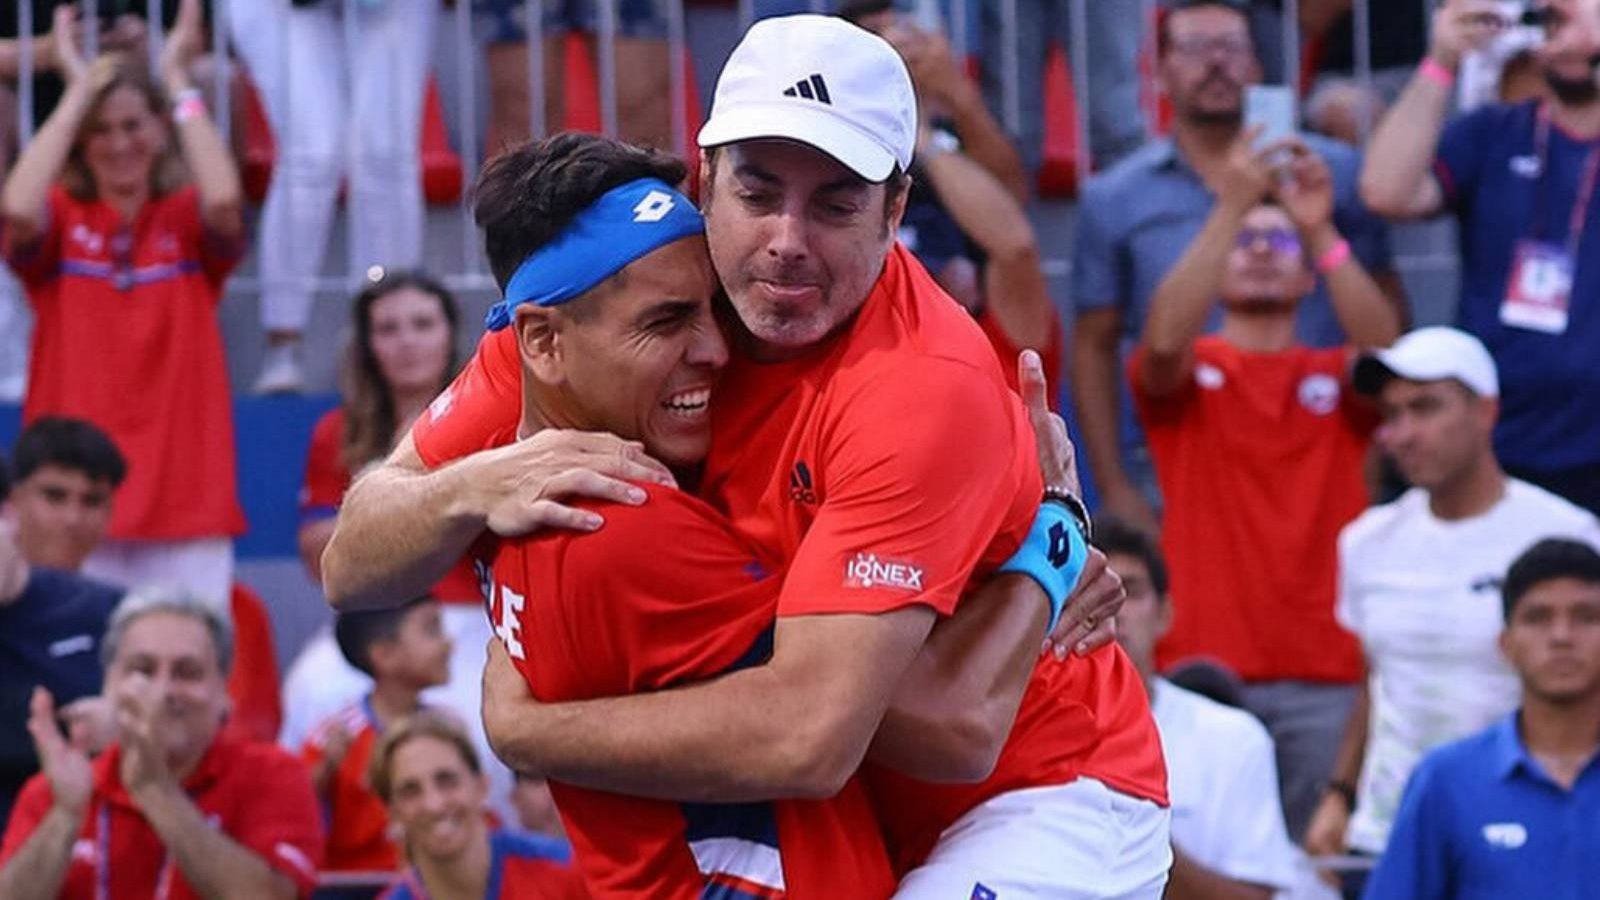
{"x":427,"y":773}
{"x":405,"y":651}
{"x":176,"y":808}
{"x":1259,"y":444}
{"x":123,"y":264}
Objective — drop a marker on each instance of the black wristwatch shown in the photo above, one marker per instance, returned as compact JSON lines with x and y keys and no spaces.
{"x":1344,"y":789}
{"x":1080,"y":513}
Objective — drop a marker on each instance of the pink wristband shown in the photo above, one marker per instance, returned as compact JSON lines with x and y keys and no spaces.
{"x":1436,"y":73}
{"x":1337,"y":255}
{"x":189,"y":105}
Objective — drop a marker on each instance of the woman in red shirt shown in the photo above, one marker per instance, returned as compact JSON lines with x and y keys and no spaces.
{"x":401,"y":355}
{"x":123,"y":219}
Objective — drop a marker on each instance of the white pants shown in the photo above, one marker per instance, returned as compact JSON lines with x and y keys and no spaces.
{"x":343,"y":86}
{"x":1070,"y":842}
{"x":320,"y":683}
{"x":203,"y":566}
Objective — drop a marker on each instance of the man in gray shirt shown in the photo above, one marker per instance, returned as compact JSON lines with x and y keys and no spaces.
{"x":1136,"y":220}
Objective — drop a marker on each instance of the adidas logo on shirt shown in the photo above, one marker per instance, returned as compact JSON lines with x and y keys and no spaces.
{"x":813,"y":88}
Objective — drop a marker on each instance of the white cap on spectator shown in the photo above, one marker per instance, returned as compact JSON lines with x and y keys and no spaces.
{"x":1430,"y":354}
{"x":821,"y":81}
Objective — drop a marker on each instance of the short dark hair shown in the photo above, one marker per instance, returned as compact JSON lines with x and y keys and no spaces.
{"x":529,"y":194}
{"x":1164,"y":37}
{"x":1548,"y":560}
{"x":1115,"y":536}
{"x":853,"y":11}
{"x":357,"y":631}
{"x":70,"y":444}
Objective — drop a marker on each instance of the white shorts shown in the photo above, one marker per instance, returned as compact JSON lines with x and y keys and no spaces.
{"x":203,"y":566}
{"x":1068,"y":842}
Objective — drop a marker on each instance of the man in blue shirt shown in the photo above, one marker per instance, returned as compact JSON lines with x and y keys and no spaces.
{"x":1521,"y":181}
{"x":1515,"y":810}
{"x":1138,"y":218}
{"x":51,"y":618}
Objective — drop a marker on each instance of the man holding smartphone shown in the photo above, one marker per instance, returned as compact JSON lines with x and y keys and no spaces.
{"x":1258,"y":445}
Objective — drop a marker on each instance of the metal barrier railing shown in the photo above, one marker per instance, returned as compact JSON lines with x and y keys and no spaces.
{"x":953,"y":14}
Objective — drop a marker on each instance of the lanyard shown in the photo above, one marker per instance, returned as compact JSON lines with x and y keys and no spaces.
{"x":102,"y":861}
{"x":1586,"y":186}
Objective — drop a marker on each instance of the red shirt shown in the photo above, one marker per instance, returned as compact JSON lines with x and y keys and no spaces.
{"x":357,"y":821}
{"x":143,"y":363}
{"x":622,"y":611}
{"x":253,"y":682}
{"x":1049,"y":354}
{"x":326,"y":480}
{"x":894,"y":444}
{"x":521,"y":867}
{"x":256,"y":794}
{"x":1260,"y":460}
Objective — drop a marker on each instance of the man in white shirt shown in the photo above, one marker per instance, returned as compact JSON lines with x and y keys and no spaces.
{"x":1228,"y":834}
{"x":1419,"y":579}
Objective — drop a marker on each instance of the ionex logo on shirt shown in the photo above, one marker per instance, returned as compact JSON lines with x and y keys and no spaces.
{"x":868,"y":571}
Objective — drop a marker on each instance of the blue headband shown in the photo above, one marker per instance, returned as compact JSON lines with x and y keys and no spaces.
{"x":627,"y":222}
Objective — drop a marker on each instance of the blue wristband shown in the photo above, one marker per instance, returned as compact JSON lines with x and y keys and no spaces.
{"x":1053,"y":554}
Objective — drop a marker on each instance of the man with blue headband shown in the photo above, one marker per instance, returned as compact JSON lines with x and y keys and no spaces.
{"x":864,"y":440}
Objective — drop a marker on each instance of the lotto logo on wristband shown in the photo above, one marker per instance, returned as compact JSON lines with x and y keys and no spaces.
{"x":866,"y":570}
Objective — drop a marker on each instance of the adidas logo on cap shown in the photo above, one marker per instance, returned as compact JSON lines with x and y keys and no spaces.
{"x":813,"y":88}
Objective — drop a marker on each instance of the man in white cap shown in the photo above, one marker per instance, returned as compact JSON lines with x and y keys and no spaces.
{"x":1419,"y":578}
{"x":864,"y":439}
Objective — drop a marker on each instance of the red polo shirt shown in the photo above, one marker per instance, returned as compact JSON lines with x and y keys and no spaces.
{"x":126,"y":337}
{"x":256,"y":794}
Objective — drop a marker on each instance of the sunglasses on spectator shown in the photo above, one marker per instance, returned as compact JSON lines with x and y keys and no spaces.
{"x":1281,"y":241}
{"x":1201,"y":47}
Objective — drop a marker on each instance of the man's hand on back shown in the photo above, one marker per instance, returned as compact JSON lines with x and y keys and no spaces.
{"x":523,"y":487}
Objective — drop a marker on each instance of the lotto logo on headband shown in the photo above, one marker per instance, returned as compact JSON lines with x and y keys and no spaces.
{"x":653,"y":208}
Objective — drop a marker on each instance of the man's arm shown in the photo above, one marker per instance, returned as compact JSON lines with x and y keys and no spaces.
{"x":797,"y":726}
{"x":39,"y":867}
{"x":1185,"y":297}
{"x":1014,"y":287}
{"x":1397,"y":177}
{"x":1189,"y":880}
{"x":401,"y":527}
{"x":212,"y":862}
{"x":1326,"y":835}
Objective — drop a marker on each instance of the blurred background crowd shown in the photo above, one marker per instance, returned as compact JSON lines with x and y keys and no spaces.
{"x":1330,"y":376}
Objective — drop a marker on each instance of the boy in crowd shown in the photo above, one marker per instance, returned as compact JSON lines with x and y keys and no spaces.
{"x":51,"y":618}
{"x":405,"y":651}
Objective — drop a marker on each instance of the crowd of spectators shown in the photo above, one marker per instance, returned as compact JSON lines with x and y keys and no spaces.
{"x":1375,"y":543}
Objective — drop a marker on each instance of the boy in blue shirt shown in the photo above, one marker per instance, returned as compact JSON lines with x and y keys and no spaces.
{"x":51,"y":618}
{"x":1515,"y":810}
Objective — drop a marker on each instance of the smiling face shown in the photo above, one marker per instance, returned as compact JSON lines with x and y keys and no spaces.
{"x":638,"y":357}
{"x":435,"y":798}
{"x":121,"y":142}
{"x":797,"y":239}
{"x":410,"y":336}
{"x":176,"y":655}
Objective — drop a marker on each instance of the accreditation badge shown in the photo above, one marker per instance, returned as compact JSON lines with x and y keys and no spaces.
{"x":1539,"y":295}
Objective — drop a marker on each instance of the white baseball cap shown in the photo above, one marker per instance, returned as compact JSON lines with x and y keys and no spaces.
{"x":1430,"y":354}
{"x":821,"y":81}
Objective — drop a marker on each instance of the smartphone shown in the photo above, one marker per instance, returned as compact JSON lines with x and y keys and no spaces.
{"x":1271,"y":107}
